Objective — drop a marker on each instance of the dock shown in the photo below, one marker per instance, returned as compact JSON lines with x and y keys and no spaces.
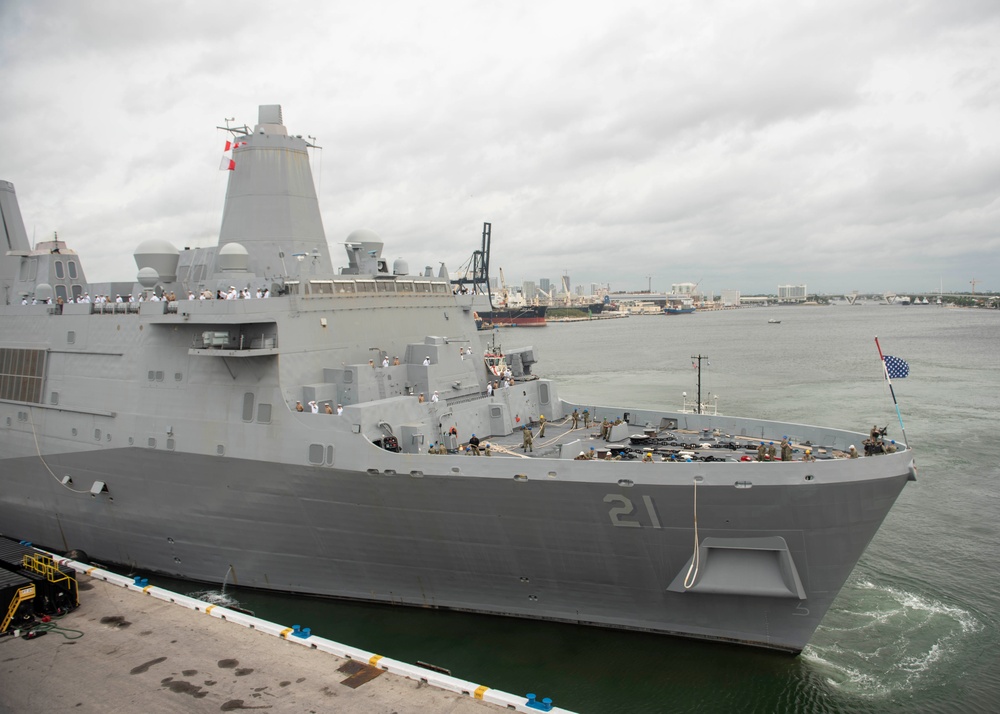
{"x":135,"y":647}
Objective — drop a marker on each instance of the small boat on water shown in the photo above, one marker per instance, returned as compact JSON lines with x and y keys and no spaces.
{"x":675,"y":306}
{"x":772,"y":321}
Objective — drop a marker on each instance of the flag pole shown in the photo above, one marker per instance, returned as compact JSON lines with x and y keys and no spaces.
{"x":885,"y":373}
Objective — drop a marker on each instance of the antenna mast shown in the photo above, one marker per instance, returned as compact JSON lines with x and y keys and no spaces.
{"x":700,"y":357}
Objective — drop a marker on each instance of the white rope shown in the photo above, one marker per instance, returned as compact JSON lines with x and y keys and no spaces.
{"x":692,"y":573}
{"x":31,"y":420}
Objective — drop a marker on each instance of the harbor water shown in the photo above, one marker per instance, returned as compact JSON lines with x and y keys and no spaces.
{"x":915,"y":628}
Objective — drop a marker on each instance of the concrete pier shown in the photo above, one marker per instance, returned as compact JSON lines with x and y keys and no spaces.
{"x":140,"y":653}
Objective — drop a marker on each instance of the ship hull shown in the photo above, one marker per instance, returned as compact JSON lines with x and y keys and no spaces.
{"x":539,"y":548}
{"x":524,"y":317}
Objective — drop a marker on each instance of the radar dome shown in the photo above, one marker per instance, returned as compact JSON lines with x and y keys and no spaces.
{"x":147,"y":277}
{"x":159,"y":255}
{"x":233,"y":256}
{"x":363,"y":235}
{"x":43,"y":292}
{"x":400,"y":267}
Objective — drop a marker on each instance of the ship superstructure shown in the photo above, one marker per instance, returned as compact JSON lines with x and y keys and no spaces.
{"x":188,"y":434}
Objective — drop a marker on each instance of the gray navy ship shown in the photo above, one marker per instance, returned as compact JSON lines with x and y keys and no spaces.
{"x":163,"y":433}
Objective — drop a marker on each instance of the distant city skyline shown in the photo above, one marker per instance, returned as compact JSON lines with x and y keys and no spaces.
{"x":775,"y":289}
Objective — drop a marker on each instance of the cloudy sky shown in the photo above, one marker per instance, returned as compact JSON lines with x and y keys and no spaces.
{"x":850,"y":144}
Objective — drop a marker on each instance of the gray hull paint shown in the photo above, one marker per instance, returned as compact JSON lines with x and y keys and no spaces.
{"x":536,"y":548}
{"x":184,"y":411}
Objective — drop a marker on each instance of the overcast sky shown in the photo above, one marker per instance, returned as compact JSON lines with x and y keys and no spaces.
{"x":847,"y":145}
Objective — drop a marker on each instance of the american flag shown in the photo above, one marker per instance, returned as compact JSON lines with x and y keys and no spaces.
{"x":896,"y":368}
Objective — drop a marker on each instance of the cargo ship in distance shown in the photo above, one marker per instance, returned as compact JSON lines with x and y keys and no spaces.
{"x":527,"y":316}
{"x":247,"y":412}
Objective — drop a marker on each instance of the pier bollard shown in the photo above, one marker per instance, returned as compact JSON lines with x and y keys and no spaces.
{"x":299,"y":631}
{"x":544,"y":706}
{"x":140,"y":582}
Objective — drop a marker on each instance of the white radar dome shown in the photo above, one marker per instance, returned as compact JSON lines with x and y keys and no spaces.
{"x":147,"y":277}
{"x":159,"y":255}
{"x":363,"y":235}
{"x":233,"y":256}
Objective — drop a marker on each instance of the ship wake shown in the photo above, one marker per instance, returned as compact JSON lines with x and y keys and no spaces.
{"x":883,"y":640}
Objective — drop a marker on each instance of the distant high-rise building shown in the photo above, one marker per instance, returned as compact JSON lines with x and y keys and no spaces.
{"x":565,"y":284}
{"x":791,"y":293}
{"x":544,"y":285}
{"x":529,"y":290}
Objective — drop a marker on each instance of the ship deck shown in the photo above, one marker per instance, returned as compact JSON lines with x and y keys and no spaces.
{"x":562,"y":440}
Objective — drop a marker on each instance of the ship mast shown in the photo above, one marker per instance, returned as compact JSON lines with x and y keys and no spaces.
{"x":699,"y":358}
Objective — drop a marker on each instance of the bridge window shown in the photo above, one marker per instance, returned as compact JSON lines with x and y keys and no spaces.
{"x":60,"y":273}
{"x":72,"y":269}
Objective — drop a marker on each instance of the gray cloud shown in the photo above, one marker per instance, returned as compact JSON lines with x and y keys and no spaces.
{"x":847,"y":145}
